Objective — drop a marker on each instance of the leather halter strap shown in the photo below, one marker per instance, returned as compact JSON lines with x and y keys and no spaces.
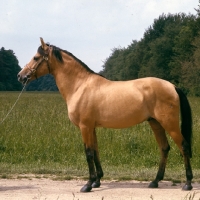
{"x":44,"y":58}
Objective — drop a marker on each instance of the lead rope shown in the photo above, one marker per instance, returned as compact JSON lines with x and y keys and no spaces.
{"x":14,"y":104}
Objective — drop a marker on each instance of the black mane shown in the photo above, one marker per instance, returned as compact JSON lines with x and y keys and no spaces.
{"x":57,"y":53}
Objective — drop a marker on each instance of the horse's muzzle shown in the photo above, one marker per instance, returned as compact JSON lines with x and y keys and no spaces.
{"x":23,"y":78}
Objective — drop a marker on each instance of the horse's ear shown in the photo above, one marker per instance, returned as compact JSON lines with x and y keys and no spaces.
{"x":44,"y":46}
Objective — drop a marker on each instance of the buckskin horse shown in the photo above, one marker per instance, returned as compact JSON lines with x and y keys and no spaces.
{"x":94,"y":101}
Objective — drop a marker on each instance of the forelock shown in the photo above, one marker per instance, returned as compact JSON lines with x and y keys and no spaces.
{"x":41,"y":51}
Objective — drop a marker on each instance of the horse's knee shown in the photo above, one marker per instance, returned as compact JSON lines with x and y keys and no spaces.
{"x":166,"y":151}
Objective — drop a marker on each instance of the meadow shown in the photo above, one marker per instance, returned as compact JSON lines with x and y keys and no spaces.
{"x":38,"y":138}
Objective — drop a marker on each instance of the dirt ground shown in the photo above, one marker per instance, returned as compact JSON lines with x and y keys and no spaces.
{"x":14,"y":189}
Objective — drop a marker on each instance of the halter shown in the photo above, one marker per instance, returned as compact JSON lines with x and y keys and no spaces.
{"x":44,"y":58}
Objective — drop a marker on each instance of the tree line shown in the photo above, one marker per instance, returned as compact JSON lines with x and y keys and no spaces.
{"x":169,"y":49}
{"x":9,"y":68}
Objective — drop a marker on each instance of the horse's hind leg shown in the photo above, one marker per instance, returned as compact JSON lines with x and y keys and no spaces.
{"x":164,"y":147}
{"x":172,"y":127}
{"x":185,"y":150}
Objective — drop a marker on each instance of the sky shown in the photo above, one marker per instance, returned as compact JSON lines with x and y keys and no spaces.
{"x":89,"y":29}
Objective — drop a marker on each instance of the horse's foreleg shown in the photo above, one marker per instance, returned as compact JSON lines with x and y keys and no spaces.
{"x":92,"y":175}
{"x":164,"y":147}
{"x":99,"y":171}
{"x":89,"y":144}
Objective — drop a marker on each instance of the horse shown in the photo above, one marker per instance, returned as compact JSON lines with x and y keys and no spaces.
{"x":94,"y":101}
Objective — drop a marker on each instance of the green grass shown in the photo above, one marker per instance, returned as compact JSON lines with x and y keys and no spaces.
{"x":37,"y":137}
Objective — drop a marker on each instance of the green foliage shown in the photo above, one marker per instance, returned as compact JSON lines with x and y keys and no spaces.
{"x":191,"y":71}
{"x":168,"y":50}
{"x":38,"y":137}
{"x":9,"y":69}
{"x":45,"y":83}
{"x":8,"y":77}
{"x":121,"y":64}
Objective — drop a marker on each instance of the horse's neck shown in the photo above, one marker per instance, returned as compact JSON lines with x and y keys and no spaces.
{"x":69,"y":76}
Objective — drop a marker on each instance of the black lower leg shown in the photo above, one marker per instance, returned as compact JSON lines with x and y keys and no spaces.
{"x":92,"y":177}
{"x":99,"y":171}
{"x":161,"y":170}
{"x":189,"y":175}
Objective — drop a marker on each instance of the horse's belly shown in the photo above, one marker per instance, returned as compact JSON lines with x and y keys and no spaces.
{"x":122,"y":112}
{"x":118,"y":124}
{"x":121,"y":121}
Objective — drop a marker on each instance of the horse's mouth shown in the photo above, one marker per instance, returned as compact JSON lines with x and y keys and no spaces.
{"x":24,"y":80}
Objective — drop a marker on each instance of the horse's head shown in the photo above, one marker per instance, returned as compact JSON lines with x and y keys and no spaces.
{"x":38,"y":66}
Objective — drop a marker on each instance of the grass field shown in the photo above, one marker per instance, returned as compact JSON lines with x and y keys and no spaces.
{"x":38,"y":138}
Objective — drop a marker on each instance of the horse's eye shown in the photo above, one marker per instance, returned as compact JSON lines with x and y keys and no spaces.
{"x":36,"y":58}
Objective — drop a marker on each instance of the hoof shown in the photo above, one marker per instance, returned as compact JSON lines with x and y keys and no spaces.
{"x":96,"y":184}
{"x":153,"y":185}
{"x":187,"y":187}
{"x":86,"y":188}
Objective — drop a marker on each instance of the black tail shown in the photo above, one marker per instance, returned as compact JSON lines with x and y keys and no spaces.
{"x":186,"y":118}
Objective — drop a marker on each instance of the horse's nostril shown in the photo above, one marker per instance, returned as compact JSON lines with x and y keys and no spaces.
{"x":23,"y":79}
{"x":18,"y":77}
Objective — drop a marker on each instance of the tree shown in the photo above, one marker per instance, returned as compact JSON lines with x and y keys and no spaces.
{"x":190,"y":73}
{"x":165,"y":51}
{"x":9,"y":69}
{"x":45,"y":83}
{"x":121,"y":64}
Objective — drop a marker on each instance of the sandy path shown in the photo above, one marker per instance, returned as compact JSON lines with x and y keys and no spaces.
{"x":23,"y":189}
